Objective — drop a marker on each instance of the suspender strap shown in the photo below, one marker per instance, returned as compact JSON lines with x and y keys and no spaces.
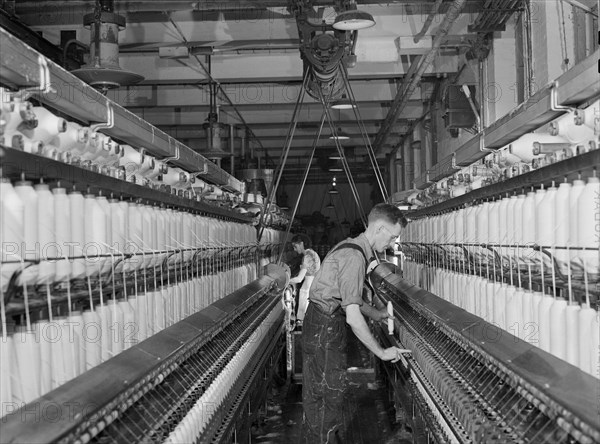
{"x":351,"y":246}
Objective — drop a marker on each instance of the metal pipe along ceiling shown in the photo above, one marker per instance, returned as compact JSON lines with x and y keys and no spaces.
{"x":403,"y":95}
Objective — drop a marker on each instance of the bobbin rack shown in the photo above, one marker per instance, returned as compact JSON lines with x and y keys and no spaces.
{"x":500,"y":288}
{"x":135,"y":306}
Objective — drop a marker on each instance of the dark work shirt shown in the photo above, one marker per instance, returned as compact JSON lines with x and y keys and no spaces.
{"x":339,"y":281}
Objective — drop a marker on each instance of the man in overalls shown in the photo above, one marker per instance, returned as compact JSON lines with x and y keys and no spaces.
{"x":336,"y":299}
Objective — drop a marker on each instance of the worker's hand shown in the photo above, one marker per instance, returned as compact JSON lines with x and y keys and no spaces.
{"x":382,"y":315}
{"x":393,"y":354}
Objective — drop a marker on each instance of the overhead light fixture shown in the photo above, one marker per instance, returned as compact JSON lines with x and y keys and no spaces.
{"x":335,"y":157}
{"x":336,"y":169}
{"x":343,"y":103}
{"x":339,"y":135}
{"x":333,"y":190}
{"x":329,"y":205}
{"x":353,"y":19}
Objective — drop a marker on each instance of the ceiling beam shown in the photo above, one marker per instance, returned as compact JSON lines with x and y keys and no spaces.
{"x":197,"y":115}
{"x":66,"y":12}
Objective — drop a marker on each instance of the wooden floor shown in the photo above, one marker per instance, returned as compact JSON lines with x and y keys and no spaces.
{"x":369,"y":414}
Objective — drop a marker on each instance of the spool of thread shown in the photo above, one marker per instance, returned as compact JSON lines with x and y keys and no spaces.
{"x":159,"y":311}
{"x":46,"y":234}
{"x":6,"y":359}
{"x":502,"y":220}
{"x":125,"y":247}
{"x":76,"y":322}
{"x":500,"y":305}
{"x":536,"y":299}
{"x":546,"y":217}
{"x":595,"y":346}
{"x":77,"y":206}
{"x":471,"y":224}
{"x":136,"y":237}
{"x":482,"y":216}
{"x":528,"y":220}
{"x":173,"y":176}
{"x":390,"y":320}
{"x":182,"y":300}
{"x":513,"y":308}
{"x":103,"y":313}
{"x":528,"y":326}
{"x":30,"y":247}
{"x":523,"y":146}
{"x":493,"y":223}
{"x":62,"y":222}
{"x":116,"y":322}
{"x":44,"y":334}
{"x":118,"y":226}
{"x":152,"y":298}
{"x":545,"y":322}
{"x":11,"y":230}
{"x":73,"y":140}
{"x":562,"y":225}
{"x":154,"y":235}
{"x":54,"y":332}
{"x":558,"y":330}
{"x":110,"y":154}
{"x":565,"y":127}
{"x":161,"y":233}
{"x":5,"y":111}
{"x":131,"y":160}
{"x":25,"y":367}
{"x":572,"y":338}
{"x":95,"y":235}
{"x":516,"y":224}
{"x":139,"y":308}
{"x":96,"y":143}
{"x":92,"y":333}
{"x":575,"y":191}
{"x":158,"y":169}
{"x":48,"y":127}
{"x":149,"y":233}
{"x":480,"y":300}
{"x":129,"y":325}
{"x":21,"y":117}
{"x":166,"y":294}
{"x":148,"y":163}
{"x":68,"y":353}
{"x":510,"y":220}
{"x":187,"y":233}
{"x":106,"y":210}
{"x":587,"y":224}
{"x":587,"y":332}
{"x":589,"y":116}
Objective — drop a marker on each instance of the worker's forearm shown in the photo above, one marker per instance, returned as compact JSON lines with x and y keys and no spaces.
{"x":369,"y":311}
{"x":364,"y":335}
{"x":300,"y":276}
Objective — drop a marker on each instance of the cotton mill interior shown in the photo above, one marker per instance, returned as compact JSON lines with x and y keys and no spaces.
{"x":178,"y":181}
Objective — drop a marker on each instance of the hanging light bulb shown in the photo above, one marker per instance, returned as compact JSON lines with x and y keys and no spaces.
{"x":343,"y":103}
{"x":352,"y":19}
{"x":339,"y":135}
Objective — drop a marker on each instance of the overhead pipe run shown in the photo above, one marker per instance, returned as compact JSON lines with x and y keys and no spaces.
{"x":403,"y":95}
{"x":428,"y":21}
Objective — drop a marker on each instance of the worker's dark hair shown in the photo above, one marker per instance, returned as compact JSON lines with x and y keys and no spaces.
{"x":302,"y":238}
{"x":387,"y":212}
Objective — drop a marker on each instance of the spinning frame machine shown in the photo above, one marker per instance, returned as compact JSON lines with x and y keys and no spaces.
{"x":498,"y":300}
{"x":134,"y":306}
